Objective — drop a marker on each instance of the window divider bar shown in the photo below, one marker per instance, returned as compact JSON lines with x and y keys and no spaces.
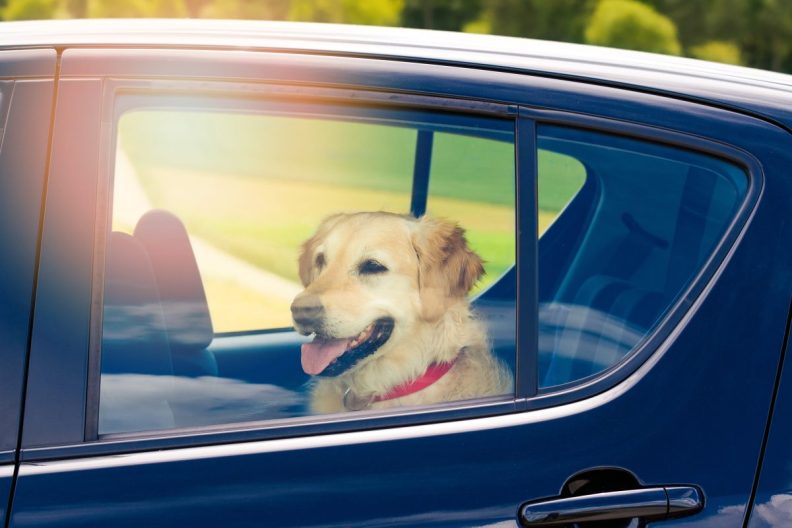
{"x":423,"y":164}
{"x":526,"y":169}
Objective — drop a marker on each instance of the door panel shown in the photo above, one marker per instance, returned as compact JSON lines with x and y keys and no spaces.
{"x":6,"y":478}
{"x":26,"y":88}
{"x":772,"y":506}
{"x":460,"y":473}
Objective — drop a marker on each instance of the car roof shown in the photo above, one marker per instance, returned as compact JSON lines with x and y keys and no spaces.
{"x":768,"y":94}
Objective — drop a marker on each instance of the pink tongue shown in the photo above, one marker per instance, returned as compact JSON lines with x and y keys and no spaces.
{"x":319,"y":353}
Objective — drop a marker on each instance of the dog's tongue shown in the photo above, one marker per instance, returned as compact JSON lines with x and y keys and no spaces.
{"x":320,"y":352}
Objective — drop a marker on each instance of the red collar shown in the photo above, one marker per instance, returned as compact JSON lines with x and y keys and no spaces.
{"x":432,"y":374}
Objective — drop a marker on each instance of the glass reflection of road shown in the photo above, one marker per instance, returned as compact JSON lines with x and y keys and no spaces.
{"x":142,"y":402}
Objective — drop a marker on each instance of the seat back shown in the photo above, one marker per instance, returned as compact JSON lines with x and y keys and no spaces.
{"x":156,"y":327}
{"x":181,"y":292}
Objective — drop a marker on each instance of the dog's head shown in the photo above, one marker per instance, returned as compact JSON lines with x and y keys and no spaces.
{"x":370,"y":279}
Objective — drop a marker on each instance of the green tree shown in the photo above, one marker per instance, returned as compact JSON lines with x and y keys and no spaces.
{"x":700,"y":21}
{"x":632,"y":25}
{"x":375,"y":12}
{"x":30,"y":9}
{"x":246,"y":9}
{"x":766,"y":41}
{"x":135,"y":8}
{"x":717,"y":51}
{"x":448,"y":15}
{"x":562,"y":20}
{"x":760,"y":29}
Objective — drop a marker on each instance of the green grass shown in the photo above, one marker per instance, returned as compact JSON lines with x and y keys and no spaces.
{"x":371,"y":156}
{"x":256,"y":186}
{"x":560,"y":178}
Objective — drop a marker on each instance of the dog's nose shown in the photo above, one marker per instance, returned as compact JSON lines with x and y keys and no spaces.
{"x":307,"y":311}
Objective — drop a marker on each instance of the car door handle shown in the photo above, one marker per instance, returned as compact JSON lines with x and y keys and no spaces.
{"x":657,"y":503}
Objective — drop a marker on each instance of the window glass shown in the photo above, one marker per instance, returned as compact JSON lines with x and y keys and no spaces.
{"x":619,"y":254}
{"x":560,"y":177}
{"x":227,"y":176}
{"x":472,"y":181}
{"x":230,"y":227}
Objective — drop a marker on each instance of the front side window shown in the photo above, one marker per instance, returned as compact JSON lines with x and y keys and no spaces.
{"x":231,"y":226}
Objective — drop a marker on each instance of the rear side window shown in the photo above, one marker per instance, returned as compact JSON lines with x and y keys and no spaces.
{"x":621,"y":251}
{"x":222,"y":217}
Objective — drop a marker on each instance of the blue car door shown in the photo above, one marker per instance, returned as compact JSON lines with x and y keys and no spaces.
{"x":26,"y":86}
{"x":637,"y":288}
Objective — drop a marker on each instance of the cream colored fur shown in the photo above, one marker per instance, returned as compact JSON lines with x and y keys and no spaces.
{"x":430,"y":272}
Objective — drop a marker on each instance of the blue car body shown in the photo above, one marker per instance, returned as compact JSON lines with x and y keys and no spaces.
{"x":702,"y":403}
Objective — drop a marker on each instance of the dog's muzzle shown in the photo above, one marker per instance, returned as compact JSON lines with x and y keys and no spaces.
{"x":308,"y":314}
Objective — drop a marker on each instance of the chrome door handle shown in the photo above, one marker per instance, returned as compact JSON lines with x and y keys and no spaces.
{"x":655,"y":503}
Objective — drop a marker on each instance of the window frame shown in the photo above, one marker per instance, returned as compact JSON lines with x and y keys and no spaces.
{"x":56,"y":429}
{"x":125,"y":96}
{"x":528,"y":395}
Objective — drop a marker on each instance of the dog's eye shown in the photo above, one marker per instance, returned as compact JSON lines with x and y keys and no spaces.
{"x":371,"y":267}
{"x":320,"y":260}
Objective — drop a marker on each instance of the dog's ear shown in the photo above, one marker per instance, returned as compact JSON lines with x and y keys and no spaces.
{"x":305,"y":262}
{"x":447,"y":269}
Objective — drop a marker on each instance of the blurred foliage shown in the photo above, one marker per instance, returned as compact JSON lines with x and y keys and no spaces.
{"x":30,"y":9}
{"x":755,"y":33}
{"x":717,"y":51}
{"x":376,"y":12}
{"x":448,"y":15}
{"x":632,"y":25}
{"x":246,"y":9}
{"x":135,"y":8}
{"x":76,"y":8}
{"x":766,"y":37}
{"x":563,"y":20}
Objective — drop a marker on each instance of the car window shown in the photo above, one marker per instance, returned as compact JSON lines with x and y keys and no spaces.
{"x":231,"y":226}
{"x":620,"y":254}
{"x":472,"y":180}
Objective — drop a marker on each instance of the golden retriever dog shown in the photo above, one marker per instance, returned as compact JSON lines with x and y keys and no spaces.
{"x":386,"y":300}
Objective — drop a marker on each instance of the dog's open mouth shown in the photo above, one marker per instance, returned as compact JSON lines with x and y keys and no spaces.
{"x":331,"y":356}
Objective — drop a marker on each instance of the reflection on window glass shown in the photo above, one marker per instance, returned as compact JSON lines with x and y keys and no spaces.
{"x":619,"y":254}
{"x":228,"y":228}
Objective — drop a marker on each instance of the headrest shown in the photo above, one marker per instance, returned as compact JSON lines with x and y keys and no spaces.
{"x":134,"y":338}
{"x":177,"y":277}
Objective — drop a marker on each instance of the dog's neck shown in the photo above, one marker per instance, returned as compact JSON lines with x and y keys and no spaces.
{"x":435,"y":371}
{"x":435,"y":342}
